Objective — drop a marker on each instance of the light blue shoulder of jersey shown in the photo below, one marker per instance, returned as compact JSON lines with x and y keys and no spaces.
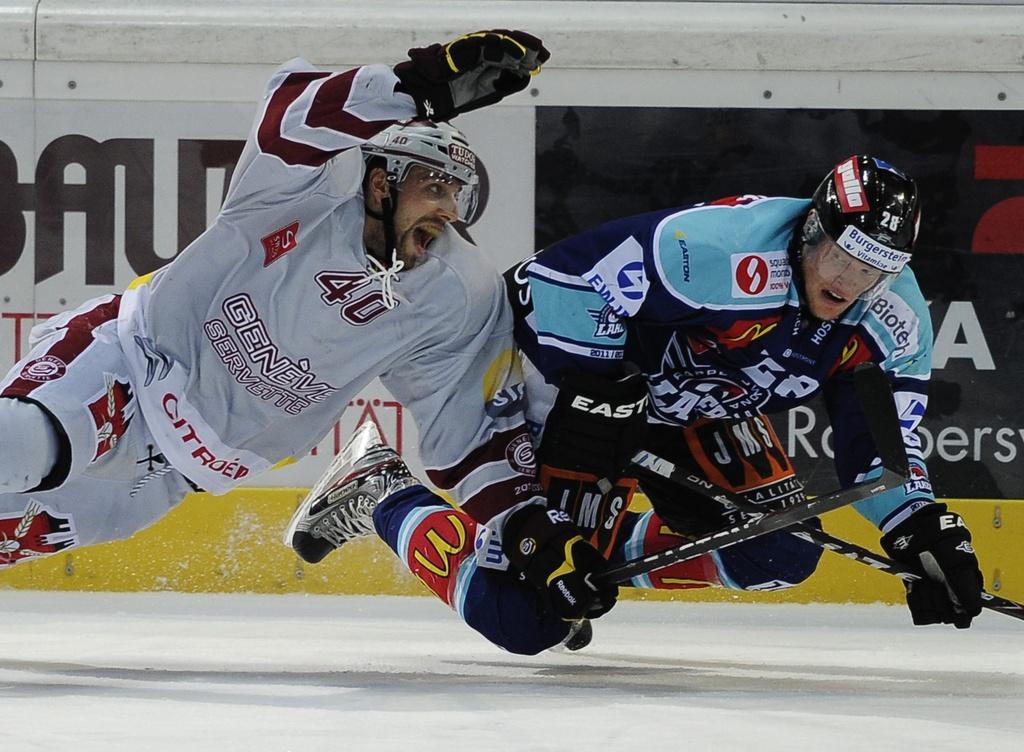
{"x":899,"y":323}
{"x":729,"y":256}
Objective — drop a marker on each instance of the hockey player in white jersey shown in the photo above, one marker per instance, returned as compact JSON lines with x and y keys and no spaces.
{"x":332,"y":262}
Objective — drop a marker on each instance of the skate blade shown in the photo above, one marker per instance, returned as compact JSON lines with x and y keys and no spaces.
{"x":365,"y":438}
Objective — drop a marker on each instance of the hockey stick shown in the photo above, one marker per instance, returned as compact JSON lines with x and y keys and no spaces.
{"x":879,"y":408}
{"x":887,"y":565}
{"x":876,"y":399}
{"x":812,"y":534}
{"x":754,"y":526}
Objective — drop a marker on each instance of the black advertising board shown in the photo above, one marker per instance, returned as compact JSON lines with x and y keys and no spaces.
{"x":598,"y":163}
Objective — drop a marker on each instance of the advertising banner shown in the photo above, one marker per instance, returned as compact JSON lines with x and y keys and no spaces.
{"x":595,"y":164}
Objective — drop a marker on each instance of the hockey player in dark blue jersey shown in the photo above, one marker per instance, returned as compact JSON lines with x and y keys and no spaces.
{"x":740,"y":308}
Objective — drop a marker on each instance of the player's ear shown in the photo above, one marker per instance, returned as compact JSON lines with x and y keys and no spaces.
{"x":377,"y":186}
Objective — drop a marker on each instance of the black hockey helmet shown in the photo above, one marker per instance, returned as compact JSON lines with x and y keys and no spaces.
{"x":871,"y":210}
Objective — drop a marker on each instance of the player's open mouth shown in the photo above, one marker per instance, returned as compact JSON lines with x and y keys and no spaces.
{"x":423,"y":236}
{"x":833,"y":297}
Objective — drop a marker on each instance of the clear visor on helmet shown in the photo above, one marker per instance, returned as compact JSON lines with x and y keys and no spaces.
{"x":447,"y":191}
{"x":841,"y":269}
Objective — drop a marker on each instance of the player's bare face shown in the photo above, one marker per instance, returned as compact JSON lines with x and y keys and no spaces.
{"x":427,"y":202}
{"x":833,"y":279}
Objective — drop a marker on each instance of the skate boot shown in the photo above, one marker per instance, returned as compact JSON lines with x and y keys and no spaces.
{"x":339,"y":508}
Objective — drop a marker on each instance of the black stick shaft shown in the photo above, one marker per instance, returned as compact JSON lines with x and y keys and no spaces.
{"x":809,"y":533}
{"x":884,"y":564}
{"x":766,"y":522}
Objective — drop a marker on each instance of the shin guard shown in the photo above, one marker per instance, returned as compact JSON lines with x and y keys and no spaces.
{"x":436,"y":543}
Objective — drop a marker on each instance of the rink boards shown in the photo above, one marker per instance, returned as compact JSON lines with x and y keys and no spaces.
{"x":232,"y":544}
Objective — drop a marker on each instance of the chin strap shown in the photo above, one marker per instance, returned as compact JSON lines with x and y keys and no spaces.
{"x":796,"y":257}
{"x":386,"y":275}
{"x":386,"y":216}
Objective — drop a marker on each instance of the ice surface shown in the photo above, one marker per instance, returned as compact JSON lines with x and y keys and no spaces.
{"x":84,"y":672}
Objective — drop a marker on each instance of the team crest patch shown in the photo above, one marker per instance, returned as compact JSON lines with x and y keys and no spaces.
{"x":35,"y":532}
{"x":45,"y":368}
{"x":684,"y":389}
{"x":280,"y":242}
{"x":519,"y":454}
{"x":608,"y":324}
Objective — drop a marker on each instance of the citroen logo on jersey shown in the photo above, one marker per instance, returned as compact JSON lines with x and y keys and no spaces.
{"x":158,"y":365}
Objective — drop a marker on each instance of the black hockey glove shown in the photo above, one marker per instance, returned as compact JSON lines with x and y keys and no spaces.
{"x":936,"y":544}
{"x":472,"y":71}
{"x":547,"y":548}
{"x":597,"y":424}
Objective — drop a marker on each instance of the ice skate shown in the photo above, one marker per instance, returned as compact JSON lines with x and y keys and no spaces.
{"x":339,"y":508}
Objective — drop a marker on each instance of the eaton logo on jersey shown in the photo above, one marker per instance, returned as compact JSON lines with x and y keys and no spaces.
{"x":759,"y":275}
{"x":620,"y":279}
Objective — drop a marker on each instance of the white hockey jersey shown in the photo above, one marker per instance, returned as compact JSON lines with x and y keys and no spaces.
{"x":246,"y":349}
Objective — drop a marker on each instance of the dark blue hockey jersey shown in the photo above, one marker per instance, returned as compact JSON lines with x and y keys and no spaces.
{"x":705,"y":301}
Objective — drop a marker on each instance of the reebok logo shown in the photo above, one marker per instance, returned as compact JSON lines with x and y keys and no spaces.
{"x":565,"y":593}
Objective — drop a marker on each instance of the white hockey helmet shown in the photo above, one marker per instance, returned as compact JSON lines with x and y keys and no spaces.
{"x":439,"y":147}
